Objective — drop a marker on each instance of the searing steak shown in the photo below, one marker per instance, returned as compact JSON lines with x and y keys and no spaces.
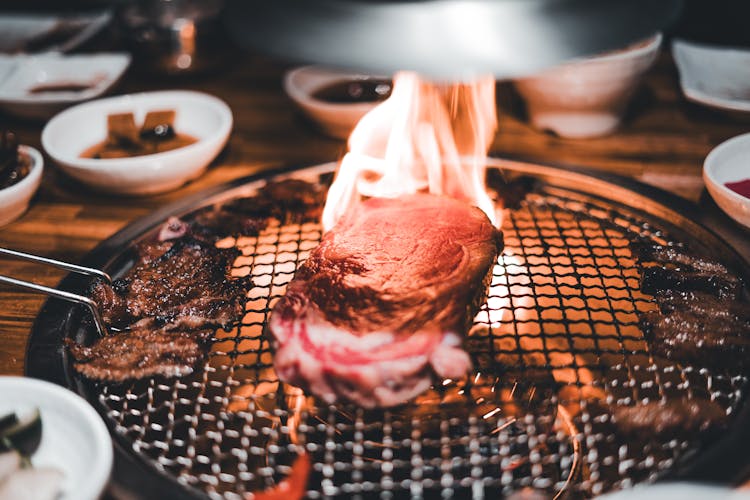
{"x":381,"y":305}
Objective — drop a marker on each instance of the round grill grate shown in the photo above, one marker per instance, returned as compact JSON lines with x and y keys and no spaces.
{"x":556,"y":344}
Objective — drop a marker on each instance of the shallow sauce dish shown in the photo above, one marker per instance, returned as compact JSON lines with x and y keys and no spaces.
{"x":714,"y":76}
{"x":93,"y":73}
{"x":729,"y":162}
{"x":14,"y":200}
{"x":202,"y":116}
{"x":334,"y":118}
{"x":74,"y":438}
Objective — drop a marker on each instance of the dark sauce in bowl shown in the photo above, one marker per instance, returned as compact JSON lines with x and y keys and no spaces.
{"x":354,"y":91}
{"x":59,"y":87}
{"x":14,"y":166}
{"x":742,"y":187}
{"x":125,"y":139}
{"x":16,"y":173}
{"x":146,"y":146}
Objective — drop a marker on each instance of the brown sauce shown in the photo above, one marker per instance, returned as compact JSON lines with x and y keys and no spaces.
{"x":125,"y":139}
{"x":15,"y":173}
{"x":107,"y":149}
{"x":59,"y":87}
{"x":353,"y":91}
{"x":14,"y":166}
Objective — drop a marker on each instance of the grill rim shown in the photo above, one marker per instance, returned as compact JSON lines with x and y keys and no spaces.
{"x":46,"y":357}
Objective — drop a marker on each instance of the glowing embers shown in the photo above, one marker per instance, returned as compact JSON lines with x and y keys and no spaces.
{"x":426,"y":137}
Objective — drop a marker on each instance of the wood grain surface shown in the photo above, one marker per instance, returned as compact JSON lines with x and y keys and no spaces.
{"x":663,"y":140}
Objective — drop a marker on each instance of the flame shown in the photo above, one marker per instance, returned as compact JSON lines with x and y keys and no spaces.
{"x":426,"y":137}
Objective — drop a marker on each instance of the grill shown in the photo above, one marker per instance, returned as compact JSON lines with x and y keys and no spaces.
{"x":559,"y":332}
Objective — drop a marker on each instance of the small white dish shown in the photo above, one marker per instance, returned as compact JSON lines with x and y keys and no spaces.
{"x":335,"y":119}
{"x":714,"y":76}
{"x":37,"y":32}
{"x":587,"y":97}
{"x":729,"y":162}
{"x":99,"y":72}
{"x":14,"y":200}
{"x":74,"y":437}
{"x":678,"y":491}
{"x":205,"y":117}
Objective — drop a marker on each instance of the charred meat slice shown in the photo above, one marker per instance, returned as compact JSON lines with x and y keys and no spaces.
{"x":671,"y":418}
{"x":657,"y":419}
{"x":669,"y":268}
{"x":184,"y":283}
{"x":141,"y":353}
{"x":383,"y":302}
{"x":289,"y":201}
{"x":700,"y":329}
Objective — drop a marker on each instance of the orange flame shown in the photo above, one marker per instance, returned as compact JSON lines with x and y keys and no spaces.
{"x":425,"y":137}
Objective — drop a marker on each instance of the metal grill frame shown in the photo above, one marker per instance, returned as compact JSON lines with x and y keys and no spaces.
{"x":46,"y":358}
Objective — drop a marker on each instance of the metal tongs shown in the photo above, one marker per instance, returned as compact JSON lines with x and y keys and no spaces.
{"x":101,"y":327}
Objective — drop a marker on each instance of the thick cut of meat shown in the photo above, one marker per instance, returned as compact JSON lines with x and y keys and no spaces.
{"x":184,"y":283}
{"x":141,"y":353}
{"x":383,"y":302}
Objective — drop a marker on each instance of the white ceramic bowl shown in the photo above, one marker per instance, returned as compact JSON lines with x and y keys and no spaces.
{"x":24,"y":72}
{"x":335,"y":119}
{"x":587,"y":97}
{"x":14,"y":200}
{"x":729,"y":162}
{"x":200,"y":115}
{"x":712,"y":75}
{"x":74,"y":438}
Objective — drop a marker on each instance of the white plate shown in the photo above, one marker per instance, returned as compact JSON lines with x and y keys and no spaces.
{"x":18,"y":31}
{"x":19,"y":74}
{"x":74,"y":438}
{"x":729,"y":162}
{"x":200,"y":115}
{"x":715,"y":76}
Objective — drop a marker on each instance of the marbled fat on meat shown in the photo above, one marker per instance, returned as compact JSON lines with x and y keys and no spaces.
{"x":381,"y":305}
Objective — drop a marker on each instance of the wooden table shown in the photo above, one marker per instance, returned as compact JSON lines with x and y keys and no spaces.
{"x":663,"y":141}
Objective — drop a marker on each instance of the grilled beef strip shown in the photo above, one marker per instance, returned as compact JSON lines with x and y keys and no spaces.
{"x":699,"y":329}
{"x":290,"y":201}
{"x":669,"y":268}
{"x":140,"y":353}
{"x":184,"y":283}
{"x":659,"y":419}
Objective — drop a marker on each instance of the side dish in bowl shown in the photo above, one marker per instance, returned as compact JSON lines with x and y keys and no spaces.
{"x":20,"y":175}
{"x":726,"y":173}
{"x":588,"y":97}
{"x":335,"y":100}
{"x":139,"y":144}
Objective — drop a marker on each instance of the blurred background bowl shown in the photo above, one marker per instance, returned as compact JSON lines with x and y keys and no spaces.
{"x":205,"y":117}
{"x":587,"y":97}
{"x":729,"y":162}
{"x":22,"y":91}
{"x":336,"y":119}
{"x":15,"y":199}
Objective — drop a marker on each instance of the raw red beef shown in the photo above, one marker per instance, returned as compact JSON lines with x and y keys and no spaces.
{"x":381,"y":305}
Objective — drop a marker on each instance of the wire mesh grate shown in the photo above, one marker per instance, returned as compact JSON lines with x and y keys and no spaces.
{"x":557,"y":338}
